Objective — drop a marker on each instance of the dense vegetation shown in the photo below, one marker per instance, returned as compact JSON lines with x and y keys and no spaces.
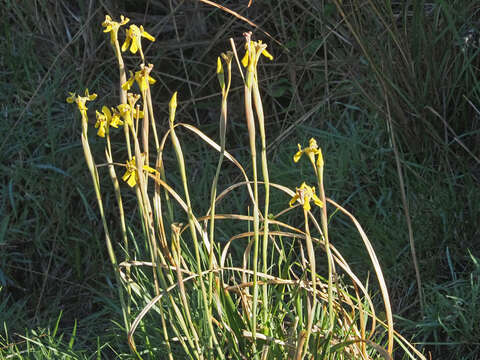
{"x":389,"y":91}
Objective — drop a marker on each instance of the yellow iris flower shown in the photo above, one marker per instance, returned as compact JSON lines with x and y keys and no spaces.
{"x":106,"y":119}
{"x":311,"y":151}
{"x":81,"y":101}
{"x":113,"y":26}
{"x":134,"y":39}
{"x":304,"y":194}
{"x":131,"y":175}
{"x":141,"y":77}
{"x":102,"y":121}
{"x":253,"y":50}
{"x":129,"y":111}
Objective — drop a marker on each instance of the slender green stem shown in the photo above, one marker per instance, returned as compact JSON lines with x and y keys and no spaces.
{"x":324,"y":219}
{"x":266,"y":179}
{"x":253,"y":153}
{"x":96,"y":182}
{"x":313,"y":270}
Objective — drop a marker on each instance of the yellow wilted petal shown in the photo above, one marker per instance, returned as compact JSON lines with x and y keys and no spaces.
{"x":146,"y":35}
{"x":317,"y":200}
{"x":126,"y":43}
{"x":293,"y":200}
{"x":298,"y":154}
{"x":267,"y":54}
{"x":126,"y":86}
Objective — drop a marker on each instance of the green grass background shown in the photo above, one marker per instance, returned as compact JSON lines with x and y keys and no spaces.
{"x":330,"y":80}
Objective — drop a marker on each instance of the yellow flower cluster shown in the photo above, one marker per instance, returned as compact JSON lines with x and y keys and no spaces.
{"x":129,"y":111}
{"x":106,"y":119}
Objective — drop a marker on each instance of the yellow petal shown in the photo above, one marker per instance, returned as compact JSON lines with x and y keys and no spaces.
{"x":293,"y":200}
{"x":149,"y":169}
{"x":126,"y":44}
{"x":146,"y":35}
{"x":134,"y":47}
{"x":107,"y":112}
{"x":126,"y":86}
{"x":123,"y":20}
{"x":298,"y":154}
{"x":132,"y":180}
{"x":151,"y":80}
{"x":317,"y":201}
{"x":267,"y":54}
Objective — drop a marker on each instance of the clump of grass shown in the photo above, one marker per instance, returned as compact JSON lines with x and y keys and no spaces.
{"x":270,"y":301}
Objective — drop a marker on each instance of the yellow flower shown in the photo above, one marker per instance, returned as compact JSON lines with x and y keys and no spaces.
{"x":127,"y":85}
{"x":131,"y":175}
{"x":253,"y":50}
{"x":127,"y":111}
{"x":134,"y":39}
{"x":141,"y":77}
{"x":113,"y":26}
{"x":304,"y":194}
{"x":310,"y":151}
{"x":102,"y":121}
{"x":81,"y":101}
{"x":115,"y":120}
{"x":106,"y":119}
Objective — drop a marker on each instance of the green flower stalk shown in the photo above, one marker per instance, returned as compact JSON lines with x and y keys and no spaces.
{"x":112,"y":27}
{"x":254,"y":50}
{"x":81,"y":104}
{"x":225,"y":88}
{"x":249,"y":62}
{"x":304,"y":194}
{"x":314,"y":154}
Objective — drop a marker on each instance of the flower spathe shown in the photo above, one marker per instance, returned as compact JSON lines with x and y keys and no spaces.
{"x":172,"y":107}
{"x":131,"y":175}
{"x":304,"y":194}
